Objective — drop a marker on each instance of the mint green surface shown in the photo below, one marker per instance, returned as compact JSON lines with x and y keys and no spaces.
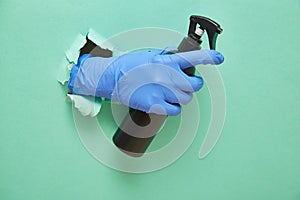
{"x":257,"y":156}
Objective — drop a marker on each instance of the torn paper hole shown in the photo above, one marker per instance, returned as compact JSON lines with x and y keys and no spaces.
{"x":88,"y":106}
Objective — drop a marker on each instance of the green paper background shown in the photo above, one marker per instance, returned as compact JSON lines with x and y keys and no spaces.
{"x":257,"y":156}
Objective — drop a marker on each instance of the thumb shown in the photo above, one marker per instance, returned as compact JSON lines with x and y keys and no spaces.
{"x":191,"y":58}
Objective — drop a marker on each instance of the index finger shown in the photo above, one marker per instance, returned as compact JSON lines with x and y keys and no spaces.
{"x":192,"y":58}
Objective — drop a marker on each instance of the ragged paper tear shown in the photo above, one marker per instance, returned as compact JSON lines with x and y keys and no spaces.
{"x":100,"y":40}
{"x":72,"y":54}
{"x":88,"y":106}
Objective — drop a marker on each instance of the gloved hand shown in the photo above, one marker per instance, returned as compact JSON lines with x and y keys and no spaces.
{"x":150,"y":81}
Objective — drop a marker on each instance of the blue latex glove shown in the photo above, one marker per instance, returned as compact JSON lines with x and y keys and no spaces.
{"x":149,"y":81}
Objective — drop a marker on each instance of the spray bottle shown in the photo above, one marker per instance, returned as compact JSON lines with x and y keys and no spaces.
{"x":138,"y":128}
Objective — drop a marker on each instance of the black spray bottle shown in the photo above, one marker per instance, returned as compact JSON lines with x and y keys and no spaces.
{"x":138,"y":128}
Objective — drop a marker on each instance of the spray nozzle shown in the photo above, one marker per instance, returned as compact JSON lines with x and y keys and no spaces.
{"x":199,"y":25}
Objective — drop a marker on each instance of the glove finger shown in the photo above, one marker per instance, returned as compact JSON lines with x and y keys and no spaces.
{"x":196,"y":84}
{"x":165,"y":108}
{"x":189,"y":84}
{"x":171,"y":109}
{"x":191,"y":58}
{"x":177,"y":96}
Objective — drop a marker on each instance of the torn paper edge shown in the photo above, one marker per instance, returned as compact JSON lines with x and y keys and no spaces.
{"x":71,"y":55}
{"x":87,"y":106}
{"x":99,"y":40}
{"x":70,"y":58}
